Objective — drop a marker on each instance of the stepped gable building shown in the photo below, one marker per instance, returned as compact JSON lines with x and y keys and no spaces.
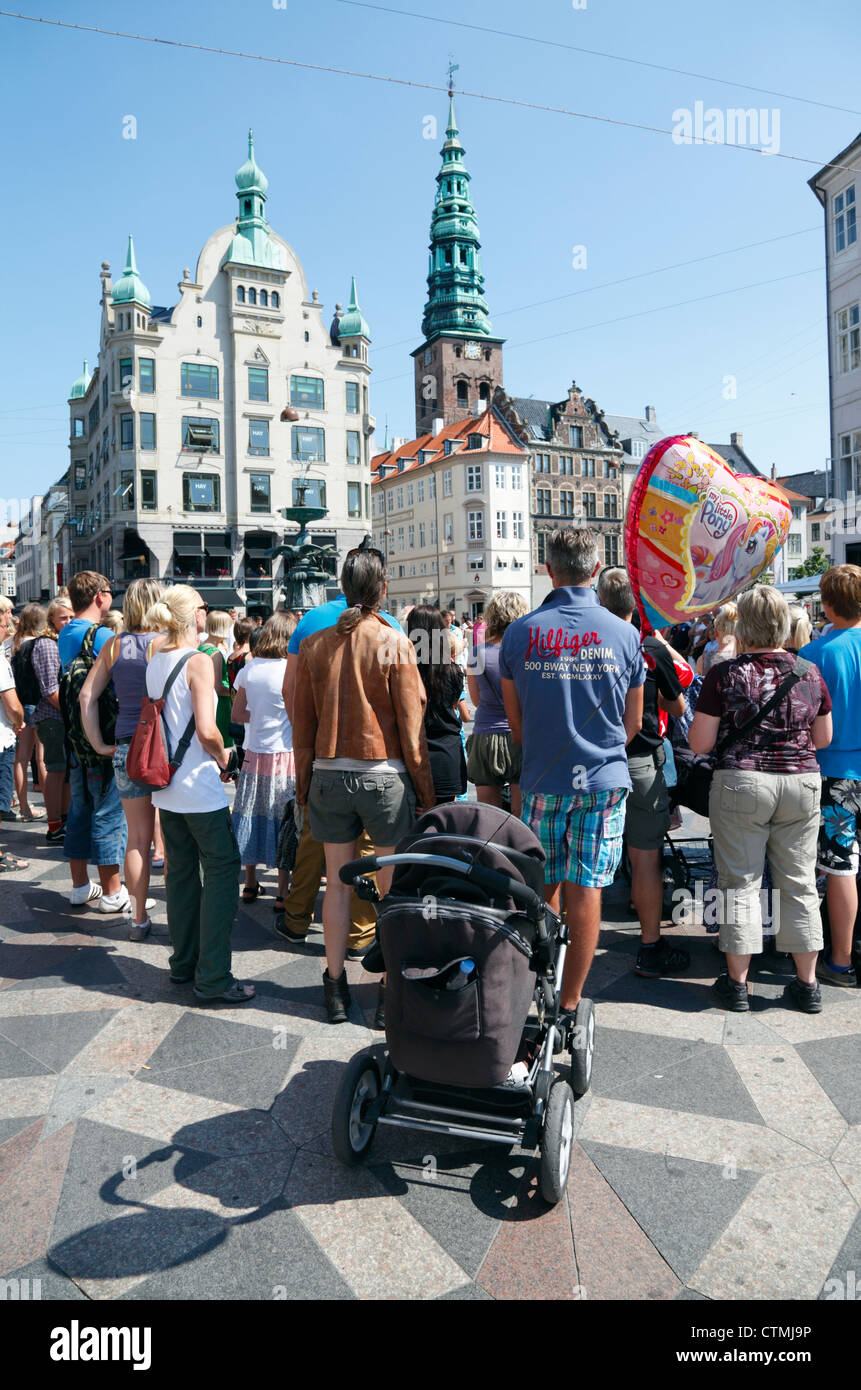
{"x":200,"y":419}
{"x":576,"y":474}
{"x":451,"y":514}
{"x":459,"y":363}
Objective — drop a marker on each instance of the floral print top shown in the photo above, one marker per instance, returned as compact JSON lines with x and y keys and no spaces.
{"x":733,"y":691}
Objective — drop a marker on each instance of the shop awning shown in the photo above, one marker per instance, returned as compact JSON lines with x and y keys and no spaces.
{"x":258,"y":552}
{"x":220,"y":598}
{"x":133,"y":547}
{"x":217,"y":546}
{"x":187,"y":545}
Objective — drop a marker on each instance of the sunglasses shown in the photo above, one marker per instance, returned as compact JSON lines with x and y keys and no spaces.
{"x":202,"y":608}
{"x":366,"y":550}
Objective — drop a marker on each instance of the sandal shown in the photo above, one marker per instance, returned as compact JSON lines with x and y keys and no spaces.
{"x":9,"y":864}
{"x":250,"y":895}
{"x":157,"y":863}
{"x":237,"y":994}
{"x":31,"y":815}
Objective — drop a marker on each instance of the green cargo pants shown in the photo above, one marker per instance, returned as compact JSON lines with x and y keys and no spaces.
{"x":202,"y":884}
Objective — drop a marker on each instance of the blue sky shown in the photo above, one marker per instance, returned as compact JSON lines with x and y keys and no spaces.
{"x":352,"y":182}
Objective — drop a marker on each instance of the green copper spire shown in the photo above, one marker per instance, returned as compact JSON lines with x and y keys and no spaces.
{"x":353,"y":324}
{"x":253,"y":244}
{"x":456,"y":301}
{"x":130,"y":288}
{"x":81,"y":386}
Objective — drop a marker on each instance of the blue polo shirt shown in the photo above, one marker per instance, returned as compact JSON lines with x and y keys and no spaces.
{"x":838,"y":655}
{"x":71,"y":638}
{"x":572,"y":663}
{"x":325,"y":616}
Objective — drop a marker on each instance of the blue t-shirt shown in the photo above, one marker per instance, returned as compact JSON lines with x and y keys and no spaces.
{"x":838,"y":655}
{"x":566,"y":658}
{"x":71,"y":638}
{"x":325,"y":616}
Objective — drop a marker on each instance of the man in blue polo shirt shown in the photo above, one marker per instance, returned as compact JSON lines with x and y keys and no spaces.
{"x":310,"y":862}
{"x":572,"y":682}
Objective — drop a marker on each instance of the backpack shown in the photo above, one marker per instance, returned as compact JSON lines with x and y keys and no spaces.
{"x":26,"y":680}
{"x":71,"y":683}
{"x":149,"y":761}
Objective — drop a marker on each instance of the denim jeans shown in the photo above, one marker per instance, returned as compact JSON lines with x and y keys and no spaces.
{"x":96,"y":828}
{"x":7,"y":777}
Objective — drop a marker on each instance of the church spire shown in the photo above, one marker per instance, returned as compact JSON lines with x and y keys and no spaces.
{"x":456,"y":301}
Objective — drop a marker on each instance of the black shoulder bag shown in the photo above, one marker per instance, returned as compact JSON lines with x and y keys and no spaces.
{"x":693,"y":791}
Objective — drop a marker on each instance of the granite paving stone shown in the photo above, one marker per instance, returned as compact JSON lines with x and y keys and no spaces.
{"x":849,"y":1148}
{"x":681,"y":1205}
{"x":672,"y":1073}
{"x":128,"y":1040}
{"x":532,"y":1257}
{"x":75,"y":1095}
{"x":682,"y":1135}
{"x":28,"y":1200}
{"x":843,"y":1281}
{"x":466,"y":1291}
{"x":17,"y":1061}
{"x":85,"y":968}
{"x":46,"y":1282}
{"x":647,"y":1018}
{"x":21,"y":1000}
{"x":251,"y":1078}
{"x":836,"y":1064}
{"x":55,"y":1039}
{"x":11,"y":1125}
{"x":26,"y":1095}
{"x":15,"y":1148}
{"x":109,"y":1259}
{"x":788,"y":1095}
{"x":850,"y":1173}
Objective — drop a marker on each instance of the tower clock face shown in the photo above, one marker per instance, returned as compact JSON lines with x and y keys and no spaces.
{"x":472,"y":350}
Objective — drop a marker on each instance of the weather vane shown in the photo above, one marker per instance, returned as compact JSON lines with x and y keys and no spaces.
{"x":453,"y":67}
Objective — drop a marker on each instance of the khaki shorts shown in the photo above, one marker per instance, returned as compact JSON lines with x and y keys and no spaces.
{"x":493,"y":760}
{"x":52,"y":736}
{"x":343,"y":804}
{"x":647,"y":817}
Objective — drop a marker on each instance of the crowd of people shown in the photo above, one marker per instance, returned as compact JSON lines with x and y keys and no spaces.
{"x":341,"y":726}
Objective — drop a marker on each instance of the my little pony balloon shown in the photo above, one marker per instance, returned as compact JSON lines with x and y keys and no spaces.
{"x":697,"y":533}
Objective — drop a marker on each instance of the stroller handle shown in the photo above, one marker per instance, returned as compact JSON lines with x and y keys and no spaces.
{"x":485,"y":878}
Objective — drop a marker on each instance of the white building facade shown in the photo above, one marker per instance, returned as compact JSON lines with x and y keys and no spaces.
{"x":451,"y":515}
{"x":200,"y":420}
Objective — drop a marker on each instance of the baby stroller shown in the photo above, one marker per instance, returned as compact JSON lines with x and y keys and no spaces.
{"x":469,"y":945}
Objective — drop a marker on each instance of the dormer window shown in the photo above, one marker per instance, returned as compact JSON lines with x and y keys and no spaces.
{"x":475,"y":441}
{"x":247,"y":207}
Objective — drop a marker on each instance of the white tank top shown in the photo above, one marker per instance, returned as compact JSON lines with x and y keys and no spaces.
{"x":196,"y":786}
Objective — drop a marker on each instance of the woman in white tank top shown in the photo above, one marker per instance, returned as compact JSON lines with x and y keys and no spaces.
{"x":198,"y":834}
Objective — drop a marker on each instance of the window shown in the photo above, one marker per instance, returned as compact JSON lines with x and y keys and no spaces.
{"x":845,"y":231}
{"x":276,"y":304}
{"x":793,"y":544}
{"x":462,"y":393}
{"x":566,"y":504}
{"x":199,"y":436}
{"x":475,"y":562}
{"x":149,"y":491}
{"x":264,"y":299}
{"x":433,"y":533}
{"x":105,"y":393}
{"x":240,"y":294}
{"x":93,"y":417}
{"x":848,"y":338}
{"x":517,"y":531}
{"x":261,"y":492}
{"x":473,"y":477}
{"x":420,"y":489}
{"x":422,"y":541}
{"x":400,"y":503}
{"x":448,"y":529}
{"x":540,"y":547}
{"x":352,"y":398}
{"x":146,"y":375}
{"x":411,"y":538}
{"x":258,"y":383}
{"x":196,"y":379}
{"x":80,"y":476}
{"x":354,"y":447}
{"x":432,"y":488}
{"x":309,"y":445}
{"x":502,"y":526}
{"x":542,"y":463}
{"x":499,"y":474}
{"x":78,"y":427}
{"x":400,"y":545}
{"x":307,"y":391}
{"x":423,"y":568}
{"x":446,"y":483}
{"x":410,"y":494}
{"x":127,"y":371}
{"x":611,"y":470}
{"x":126,"y":491}
{"x":258,"y":438}
{"x":611,"y":503}
{"x":475,"y":526}
{"x":814,"y":531}
{"x":201,"y":492}
{"x":543,"y":501}
{"x":566,"y":465}
{"x":147,"y":429}
{"x":354,"y":499}
{"x":390,"y":499}
{"x":127,"y":432}
{"x":575,"y":436}
{"x":850,"y":462}
{"x":796,"y":510}
{"x":588,"y":468}
{"x":252,"y":294}
{"x":589,"y":504}
{"x":638,"y":448}
{"x":611,"y":550}
{"x":315,"y":492}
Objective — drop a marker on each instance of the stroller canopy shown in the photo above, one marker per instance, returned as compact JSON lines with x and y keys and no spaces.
{"x":491,"y":837}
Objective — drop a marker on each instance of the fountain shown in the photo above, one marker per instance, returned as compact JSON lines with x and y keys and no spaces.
{"x":305,"y":580}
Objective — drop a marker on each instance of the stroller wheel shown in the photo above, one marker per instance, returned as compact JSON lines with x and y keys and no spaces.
{"x":556,"y":1142}
{"x":352,"y":1135}
{"x":582,"y":1045}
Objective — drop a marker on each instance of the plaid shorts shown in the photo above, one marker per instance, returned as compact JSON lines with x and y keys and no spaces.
{"x":581,"y":835}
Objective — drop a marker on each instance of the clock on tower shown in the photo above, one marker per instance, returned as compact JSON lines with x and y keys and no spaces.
{"x":472,"y":350}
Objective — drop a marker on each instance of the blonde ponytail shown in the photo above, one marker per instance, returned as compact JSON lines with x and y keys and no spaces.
{"x":174,"y":613}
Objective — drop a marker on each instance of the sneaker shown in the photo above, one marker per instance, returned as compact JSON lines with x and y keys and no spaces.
{"x":13,"y":815}
{"x":807,"y":998}
{"x":86,"y":894}
{"x":55,"y":837}
{"x":115,"y":902}
{"x":662,"y":959}
{"x":139,"y":931}
{"x":831,"y":976}
{"x":280,"y":930}
{"x":731,"y":995}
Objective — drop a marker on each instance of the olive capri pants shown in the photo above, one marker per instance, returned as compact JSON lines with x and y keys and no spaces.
{"x":202,"y":889}
{"x":754,"y":814}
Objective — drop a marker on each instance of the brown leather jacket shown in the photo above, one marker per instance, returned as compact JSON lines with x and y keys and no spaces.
{"x":360,"y":695}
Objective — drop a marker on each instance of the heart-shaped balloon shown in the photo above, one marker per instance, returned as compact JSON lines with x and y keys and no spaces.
{"x":696,"y":532}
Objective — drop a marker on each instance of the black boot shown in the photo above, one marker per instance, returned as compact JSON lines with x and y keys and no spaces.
{"x":337,"y":996}
{"x":380,"y":1015}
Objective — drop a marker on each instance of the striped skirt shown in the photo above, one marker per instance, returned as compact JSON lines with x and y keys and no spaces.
{"x":266,"y":783}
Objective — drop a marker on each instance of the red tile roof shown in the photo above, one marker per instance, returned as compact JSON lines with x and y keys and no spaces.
{"x":489,"y":425}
